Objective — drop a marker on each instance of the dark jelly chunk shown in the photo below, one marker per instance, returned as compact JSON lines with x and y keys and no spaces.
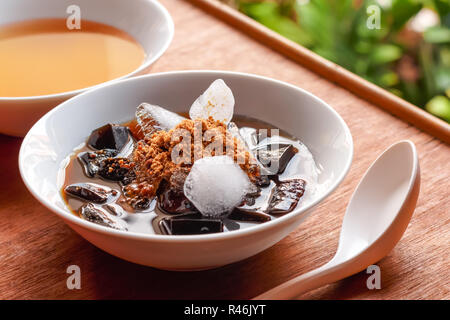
{"x":91,"y":161}
{"x":262,"y":181}
{"x":250,"y":197}
{"x":89,"y":192}
{"x":275,"y":157}
{"x":194,"y":215}
{"x":109,"y":136}
{"x":175,"y":202}
{"x":171,"y":198}
{"x":139,"y":203}
{"x":286,"y":196}
{"x":178,"y":177}
{"x":115,"y":210}
{"x":116,"y":169}
{"x":90,"y":213}
{"x":247,"y":215}
{"x":231,"y":225}
{"x":191,"y":226}
{"x":134,"y":199}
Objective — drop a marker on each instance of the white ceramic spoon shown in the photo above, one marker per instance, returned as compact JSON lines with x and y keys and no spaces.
{"x":376,"y":218}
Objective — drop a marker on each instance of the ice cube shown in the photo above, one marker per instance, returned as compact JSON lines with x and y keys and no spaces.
{"x":216,"y":102}
{"x":216,"y":185}
{"x":233,"y":129}
{"x":151,"y":118}
{"x":249,"y":135}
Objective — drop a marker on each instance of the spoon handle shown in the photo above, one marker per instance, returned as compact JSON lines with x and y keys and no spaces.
{"x":311,"y":280}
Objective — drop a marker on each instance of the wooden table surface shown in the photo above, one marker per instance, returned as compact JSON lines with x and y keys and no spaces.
{"x":36,"y":247}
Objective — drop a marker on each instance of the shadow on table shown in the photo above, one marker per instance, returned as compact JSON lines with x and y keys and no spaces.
{"x":356,"y":285}
{"x":118,"y":279}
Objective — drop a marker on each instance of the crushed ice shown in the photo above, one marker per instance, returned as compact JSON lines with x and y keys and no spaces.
{"x":216,"y":185}
{"x":216,"y":102}
{"x":152,"y":118}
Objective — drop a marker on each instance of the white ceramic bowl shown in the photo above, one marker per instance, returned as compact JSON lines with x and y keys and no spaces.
{"x":298,"y":112}
{"x":145,"y":20}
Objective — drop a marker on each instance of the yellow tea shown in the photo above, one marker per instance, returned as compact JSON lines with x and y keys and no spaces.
{"x":39,"y":57}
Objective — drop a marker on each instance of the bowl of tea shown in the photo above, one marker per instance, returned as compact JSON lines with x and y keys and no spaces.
{"x":53,"y":50}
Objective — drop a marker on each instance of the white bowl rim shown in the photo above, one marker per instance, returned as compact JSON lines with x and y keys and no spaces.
{"x":143,"y":66}
{"x":66,"y":214}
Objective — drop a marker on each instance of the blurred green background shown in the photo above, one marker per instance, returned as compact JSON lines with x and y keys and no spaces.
{"x":407,"y":53}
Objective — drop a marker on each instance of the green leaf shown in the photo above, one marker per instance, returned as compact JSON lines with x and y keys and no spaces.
{"x":363,"y":47}
{"x":268,"y":14}
{"x":260,"y":10}
{"x":427,"y":66}
{"x":396,"y":92}
{"x":385,"y":53}
{"x":442,"y":78}
{"x":437,"y":35}
{"x":403,"y":10}
{"x":388,"y":79}
{"x":442,"y":7}
{"x":440,"y":107}
{"x":444,"y":56}
{"x":315,"y":19}
{"x":337,"y":30}
{"x":412,"y":93}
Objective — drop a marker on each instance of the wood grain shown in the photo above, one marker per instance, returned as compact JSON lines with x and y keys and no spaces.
{"x":331,"y":71}
{"x":36,"y":247}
